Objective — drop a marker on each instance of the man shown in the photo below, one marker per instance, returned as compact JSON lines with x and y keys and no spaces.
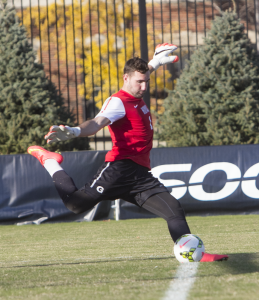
{"x":125,"y":173}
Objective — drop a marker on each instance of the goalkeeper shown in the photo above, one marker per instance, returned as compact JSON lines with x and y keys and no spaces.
{"x":125,"y":172}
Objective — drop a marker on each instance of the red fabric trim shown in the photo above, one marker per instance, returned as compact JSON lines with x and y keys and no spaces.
{"x":106,"y":105}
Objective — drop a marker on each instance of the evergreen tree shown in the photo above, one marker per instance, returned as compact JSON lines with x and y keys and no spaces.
{"x":216,"y":99}
{"x":29,"y":102}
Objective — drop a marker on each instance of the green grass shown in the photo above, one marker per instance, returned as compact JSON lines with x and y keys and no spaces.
{"x":125,"y":260}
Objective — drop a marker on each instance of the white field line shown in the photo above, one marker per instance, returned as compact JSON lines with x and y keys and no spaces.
{"x":182,"y":282}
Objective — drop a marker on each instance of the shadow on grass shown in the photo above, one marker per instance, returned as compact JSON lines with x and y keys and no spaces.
{"x":242,"y":263}
{"x":239,"y":263}
{"x":87,"y":262}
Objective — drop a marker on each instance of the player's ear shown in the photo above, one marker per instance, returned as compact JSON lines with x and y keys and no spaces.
{"x":125,"y":77}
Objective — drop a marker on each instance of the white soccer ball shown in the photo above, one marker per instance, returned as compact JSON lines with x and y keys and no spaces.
{"x":189,"y":248}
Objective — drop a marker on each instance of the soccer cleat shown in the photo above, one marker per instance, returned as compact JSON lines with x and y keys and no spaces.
{"x":42,"y":154}
{"x":213,"y":257}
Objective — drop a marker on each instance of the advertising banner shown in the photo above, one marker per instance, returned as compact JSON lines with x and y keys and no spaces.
{"x":212,"y":178}
{"x":206,"y":180}
{"x":28,"y":195}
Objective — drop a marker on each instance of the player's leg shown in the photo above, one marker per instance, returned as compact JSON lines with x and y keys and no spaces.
{"x":167,"y":207}
{"x":151,"y":194}
{"x":75,"y":200}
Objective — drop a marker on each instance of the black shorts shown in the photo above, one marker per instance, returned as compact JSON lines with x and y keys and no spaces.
{"x":123,"y":179}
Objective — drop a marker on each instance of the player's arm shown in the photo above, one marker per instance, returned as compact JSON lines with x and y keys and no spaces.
{"x":93,"y":126}
{"x":161,"y":56}
{"x":64,"y":133}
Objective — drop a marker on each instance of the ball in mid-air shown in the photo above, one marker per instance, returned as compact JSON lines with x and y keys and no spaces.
{"x":189,"y":248}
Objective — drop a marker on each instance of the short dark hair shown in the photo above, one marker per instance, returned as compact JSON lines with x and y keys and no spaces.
{"x":136,"y":64}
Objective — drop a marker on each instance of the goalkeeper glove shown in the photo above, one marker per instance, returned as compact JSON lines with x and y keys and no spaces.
{"x":161,"y":56}
{"x":61,"y":133}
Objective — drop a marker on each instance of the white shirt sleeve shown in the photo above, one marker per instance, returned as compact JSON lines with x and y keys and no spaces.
{"x":112,"y":109}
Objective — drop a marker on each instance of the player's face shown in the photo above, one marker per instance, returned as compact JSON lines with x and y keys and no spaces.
{"x":136,"y":83}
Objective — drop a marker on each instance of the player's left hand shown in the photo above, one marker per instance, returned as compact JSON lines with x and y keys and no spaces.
{"x":161,"y":56}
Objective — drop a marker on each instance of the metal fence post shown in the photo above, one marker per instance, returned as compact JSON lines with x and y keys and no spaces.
{"x":143,"y":40}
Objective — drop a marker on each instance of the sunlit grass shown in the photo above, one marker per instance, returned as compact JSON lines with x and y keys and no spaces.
{"x":125,"y":260}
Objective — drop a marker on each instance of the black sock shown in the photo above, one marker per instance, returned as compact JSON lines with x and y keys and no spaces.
{"x":64,"y":184}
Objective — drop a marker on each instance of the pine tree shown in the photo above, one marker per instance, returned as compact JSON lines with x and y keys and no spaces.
{"x":29,"y":102}
{"x":216,"y":99}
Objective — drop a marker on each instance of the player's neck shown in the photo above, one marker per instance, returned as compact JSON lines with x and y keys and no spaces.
{"x":126,"y":90}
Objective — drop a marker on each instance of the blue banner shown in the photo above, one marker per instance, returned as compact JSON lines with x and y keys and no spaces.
{"x":206,"y":180}
{"x":212,"y":178}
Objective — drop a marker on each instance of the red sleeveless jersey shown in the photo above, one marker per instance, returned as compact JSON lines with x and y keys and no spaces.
{"x":132,"y":134}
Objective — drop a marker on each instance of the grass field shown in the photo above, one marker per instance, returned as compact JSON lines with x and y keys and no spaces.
{"x":125,"y":260}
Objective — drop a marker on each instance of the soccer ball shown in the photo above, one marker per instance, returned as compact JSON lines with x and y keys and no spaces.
{"x":189,"y":248}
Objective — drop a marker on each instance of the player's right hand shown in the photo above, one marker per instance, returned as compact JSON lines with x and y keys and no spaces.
{"x":61,"y":133}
